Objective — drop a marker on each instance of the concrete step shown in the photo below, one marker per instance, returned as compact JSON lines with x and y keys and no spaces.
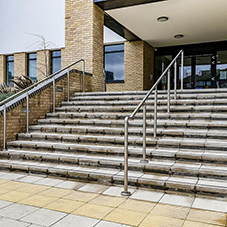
{"x":129,"y":109}
{"x":171,"y":167}
{"x":118,"y":115}
{"x":136,"y":123}
{"x":81,"y":133}
{"x":195,"y":102}
{"x":217,"y":187}
{"x":113,"y":145}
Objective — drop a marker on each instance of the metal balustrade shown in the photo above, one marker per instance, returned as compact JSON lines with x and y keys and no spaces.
{"x":24,"y":94}
{"x":143,"y":103}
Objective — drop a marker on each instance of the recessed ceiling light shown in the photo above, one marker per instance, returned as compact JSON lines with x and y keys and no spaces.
{"x":179,"y":36}
{"x":162,"y":19}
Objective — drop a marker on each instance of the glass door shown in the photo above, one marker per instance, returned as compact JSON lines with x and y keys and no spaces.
{"x":202,"y":76}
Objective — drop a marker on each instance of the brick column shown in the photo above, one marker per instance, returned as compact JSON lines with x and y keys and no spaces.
{"x":139,"y":65}
{"x":20,"y":64}
{"x":84,"y":38}
{"x":43,"y":64}
{"x":148,"y":66}
{"x":2,"y":69}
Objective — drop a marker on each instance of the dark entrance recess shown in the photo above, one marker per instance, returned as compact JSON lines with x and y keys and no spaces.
{"x":114,"y":4}
{"x":205,"y":65}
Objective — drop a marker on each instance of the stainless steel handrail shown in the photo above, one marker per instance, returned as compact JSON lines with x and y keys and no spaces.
{"x":26,"y":90}
{"x":142,"y":103}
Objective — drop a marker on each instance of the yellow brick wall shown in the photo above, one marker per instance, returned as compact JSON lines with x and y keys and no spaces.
{"x":20,"y":64}
{"x":40,"y":104}
{"x":43,"y":64}
{"x":2,"y":69}
{"x":139,"y":64}
{"x":84,"y":38}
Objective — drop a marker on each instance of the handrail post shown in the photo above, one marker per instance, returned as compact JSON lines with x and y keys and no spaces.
{"x":54,"y":94}
{"x":83,"y":75}
{"x":168,"y":93}
{"x":68,"y":84}
{"x":175,"y":80}
{"x":126,"y":192}
{"x":4,"y":127}
{"x":144,"y":160}
{"x":155,"y":112}
{"x":27,"y":111}
{"x":182,"y":69}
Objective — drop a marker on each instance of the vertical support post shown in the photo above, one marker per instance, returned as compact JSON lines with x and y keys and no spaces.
{"x":155,"y":111}
{"x":126,"y":192}
{"x":27,"y":111}
{"x":83,"y":75}
{"x":4,"y":127}
{"x":54,"y":94}
{"x":182,"y":69}
{"x":175,"y":80}
{"x":144,"y":160}
{"x":168,"y":93}
{"x":68,"y":84}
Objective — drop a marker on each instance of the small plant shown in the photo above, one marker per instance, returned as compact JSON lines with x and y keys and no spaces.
{"x":22,"y":82}
{"x":6,"y":91}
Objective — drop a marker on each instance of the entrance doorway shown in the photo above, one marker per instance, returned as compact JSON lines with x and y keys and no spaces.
{"x":199,"y":71}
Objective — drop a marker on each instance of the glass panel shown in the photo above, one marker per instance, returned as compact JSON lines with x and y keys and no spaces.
{"x":203,"y":72}
{"x":221,"y":75}
{"x":56,"y":53}
{"x":32,"y":56}
{"x":32,"y":66}
{"x":114,"y":66}
{"x":114,"y":48}
{"x":9,"y":70}
{"x":114,"y":63}
{"x":56,"y":64}
{"x":56,"y":61}
{"x":187,"y":76}
{"x":161,"y":63}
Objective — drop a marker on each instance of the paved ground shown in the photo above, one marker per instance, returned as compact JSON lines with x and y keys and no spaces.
{"x":34,"y":200}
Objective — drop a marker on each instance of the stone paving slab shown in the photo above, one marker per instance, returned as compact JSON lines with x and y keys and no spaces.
{"x":80,"y":204}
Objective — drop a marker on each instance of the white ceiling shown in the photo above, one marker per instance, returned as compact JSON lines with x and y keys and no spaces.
{"x":198,"y":20}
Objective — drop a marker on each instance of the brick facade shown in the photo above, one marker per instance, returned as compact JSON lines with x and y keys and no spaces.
{"x":139,"y":57}
{"x":84,"y":38}
{"x":43,"y":64}
{"x":20,"y":64}
{"x":2,"y":69}
{"x":40,"y":104}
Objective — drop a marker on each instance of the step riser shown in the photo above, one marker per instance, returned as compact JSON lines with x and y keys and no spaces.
{"x":118,"y":180}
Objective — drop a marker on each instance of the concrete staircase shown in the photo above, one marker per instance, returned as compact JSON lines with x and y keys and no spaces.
{"x":84,"y":139}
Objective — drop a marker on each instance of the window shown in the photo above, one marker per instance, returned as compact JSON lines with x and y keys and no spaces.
{"x":55,"y":61}
{"x":114,"y":63}
{"x":9,"y":69}
{"x":221,"y":69}
{"x":32,"y":66}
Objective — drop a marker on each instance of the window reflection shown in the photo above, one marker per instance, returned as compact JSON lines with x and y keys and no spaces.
{"x":55,"y":61}
{"x":9,"y":69}
{"x":114,"y":63}
{"x":32,"y":66}
{"x":221,"y":70}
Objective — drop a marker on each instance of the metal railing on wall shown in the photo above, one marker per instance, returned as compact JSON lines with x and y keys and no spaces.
{"x":143,"y":103}
{"x":26,"y":93}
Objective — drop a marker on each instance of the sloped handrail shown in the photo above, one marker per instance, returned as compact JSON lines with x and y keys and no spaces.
{"x":34,"y":88}
{"x":143,"y":103}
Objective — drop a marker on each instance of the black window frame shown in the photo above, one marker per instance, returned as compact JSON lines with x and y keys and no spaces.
{"x":119,"y":50}
{"x":29,"y":60}
{"x":54,"y":57}
{"x":8,"y":60}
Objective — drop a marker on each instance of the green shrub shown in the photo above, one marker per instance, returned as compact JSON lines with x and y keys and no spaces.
{"x":5,"y":96}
